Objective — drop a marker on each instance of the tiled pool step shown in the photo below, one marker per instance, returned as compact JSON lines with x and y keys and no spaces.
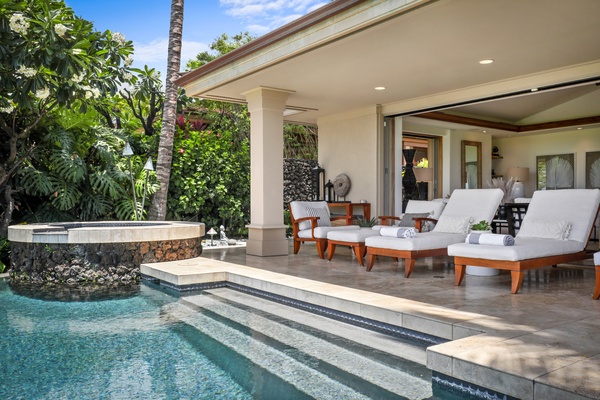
{"x":521,"y":360}
{"x":328,"y":351}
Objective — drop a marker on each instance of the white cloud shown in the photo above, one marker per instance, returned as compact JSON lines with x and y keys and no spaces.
{"x":269,"y":10}
{"x":157,"y":50}
{"x":151,"y":52}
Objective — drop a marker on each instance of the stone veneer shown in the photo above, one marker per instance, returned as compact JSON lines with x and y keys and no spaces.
{"x":101,"y":253}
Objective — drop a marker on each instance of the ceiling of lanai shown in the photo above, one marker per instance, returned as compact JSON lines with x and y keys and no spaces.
{"x":427,"y":58}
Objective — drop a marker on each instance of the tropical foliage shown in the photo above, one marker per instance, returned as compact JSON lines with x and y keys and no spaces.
{"x":210,"y":179}
{"x":50,"y":58}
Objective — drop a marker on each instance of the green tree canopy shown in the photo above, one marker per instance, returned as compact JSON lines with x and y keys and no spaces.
{"x":49,"y":58}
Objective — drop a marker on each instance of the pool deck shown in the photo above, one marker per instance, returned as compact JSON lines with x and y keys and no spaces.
{"x":542,"y":343}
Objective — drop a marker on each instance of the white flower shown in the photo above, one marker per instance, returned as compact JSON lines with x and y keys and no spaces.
{"x":77,"y":78}
{"x":18,"y":23}
{"x":88,"y":95}
{"x":27,"y":72}
{"x":127,"y":76}
{"x":119,"y":38}
{"x":60,"y":29}
{"x":7,"y":110}
{"x":96,"y":92}
{"x":77,"y":51}
{"x":128,"y":61}
{"x":42,"y":93}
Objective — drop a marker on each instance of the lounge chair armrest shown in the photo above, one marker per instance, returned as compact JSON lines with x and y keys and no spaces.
{"x":384,"y":219}
{"x":419,"y":222}
{"x":313,"y":223}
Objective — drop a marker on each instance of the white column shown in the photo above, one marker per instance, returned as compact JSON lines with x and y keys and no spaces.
{"x":266,"y":232}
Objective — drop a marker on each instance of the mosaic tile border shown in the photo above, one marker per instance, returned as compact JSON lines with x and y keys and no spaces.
{"x":465,"y":390}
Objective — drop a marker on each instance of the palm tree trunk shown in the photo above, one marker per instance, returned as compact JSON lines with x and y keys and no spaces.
{"x":158,"y":208}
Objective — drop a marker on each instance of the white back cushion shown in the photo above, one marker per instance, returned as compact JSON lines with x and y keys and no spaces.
{"x":300,"y":210}
{"x":478,"y":204}
{"x":577,"y":206}
{"x":434,"y":208}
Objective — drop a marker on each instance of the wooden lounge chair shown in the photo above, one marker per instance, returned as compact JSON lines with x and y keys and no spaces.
{"x":311,"y":221}
{"x":417,"y":214}
{"x":555,"y":230}
{"x":465,"y":206}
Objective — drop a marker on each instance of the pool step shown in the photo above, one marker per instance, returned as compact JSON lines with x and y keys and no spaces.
{"x":295,"y":345}
{"x":300,"y":376}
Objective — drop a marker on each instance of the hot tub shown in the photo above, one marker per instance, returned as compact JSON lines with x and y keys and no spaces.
{"x":99,"y":253}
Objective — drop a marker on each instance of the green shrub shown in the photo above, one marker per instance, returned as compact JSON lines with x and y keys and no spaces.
{"x":210,"y":179}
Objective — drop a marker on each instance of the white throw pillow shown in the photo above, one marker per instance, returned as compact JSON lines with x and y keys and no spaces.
{"x":544,"y":229}
{"x":447,"y":224}
{"x":322,"y":213}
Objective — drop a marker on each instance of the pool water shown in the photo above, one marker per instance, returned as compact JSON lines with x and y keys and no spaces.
{"x":206,"y":345}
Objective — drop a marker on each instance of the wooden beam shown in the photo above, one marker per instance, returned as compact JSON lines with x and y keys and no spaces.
{"x":440,"y":116}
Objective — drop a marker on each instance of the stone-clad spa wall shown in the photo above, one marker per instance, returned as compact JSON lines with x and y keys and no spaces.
{"x":99,"y":263}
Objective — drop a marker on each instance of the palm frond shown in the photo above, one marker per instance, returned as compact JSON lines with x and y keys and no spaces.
{"x":559,"y":174}
{"x":125,"y":209}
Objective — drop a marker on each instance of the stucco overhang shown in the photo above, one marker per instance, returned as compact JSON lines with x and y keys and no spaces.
{"x":426,"y":54}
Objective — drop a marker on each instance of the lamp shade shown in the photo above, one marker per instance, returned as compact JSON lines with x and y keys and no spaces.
{"x":148,"y":166}
{"x":127,"y":151}
{"x":423,"y":174}
{"x":521,"y":174}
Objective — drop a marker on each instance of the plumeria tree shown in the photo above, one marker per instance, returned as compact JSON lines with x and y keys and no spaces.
{"x":49,"y":58}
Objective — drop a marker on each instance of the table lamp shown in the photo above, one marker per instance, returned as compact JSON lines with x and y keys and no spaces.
{"x":520,"y":175}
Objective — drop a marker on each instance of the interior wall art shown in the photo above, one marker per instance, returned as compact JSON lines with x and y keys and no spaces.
{"x":555,"y":171}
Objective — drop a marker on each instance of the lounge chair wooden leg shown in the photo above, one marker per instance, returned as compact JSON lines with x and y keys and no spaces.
{"x":370,"y":261}
{"x":597,"y":291}
{"x":409,"y":265}
{"x":459,"y":274}
{"x":321,"y":247}
{"x":296,"y":246}
{"x":359,"y":252}
{"x":330,"y":252}
{"x":517,"y":280}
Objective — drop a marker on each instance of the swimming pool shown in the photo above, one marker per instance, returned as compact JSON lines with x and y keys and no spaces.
{"x":217,"y":344}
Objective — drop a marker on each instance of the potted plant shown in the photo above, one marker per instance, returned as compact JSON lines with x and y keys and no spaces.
{"x":481,"y":226}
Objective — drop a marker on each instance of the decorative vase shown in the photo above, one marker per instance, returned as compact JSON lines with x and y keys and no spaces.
{"x":409,"y":180}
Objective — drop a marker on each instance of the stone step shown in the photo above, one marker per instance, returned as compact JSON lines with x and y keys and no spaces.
{"x":329,"y":354}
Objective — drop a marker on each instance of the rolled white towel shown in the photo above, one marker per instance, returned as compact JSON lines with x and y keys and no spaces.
{"x":399,"y":232}
{"x":490,"y":238}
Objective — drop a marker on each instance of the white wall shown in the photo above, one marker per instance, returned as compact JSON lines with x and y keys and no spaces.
{"x":348,"y":144}
{"x":518,"y":151}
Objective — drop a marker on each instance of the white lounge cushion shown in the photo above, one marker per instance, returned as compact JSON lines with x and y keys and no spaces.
{"x":578,"y":206}
{"x":321,"y":231}
{"x":422,"y":241}
{"x":351,"y":235}
{"x":448,"y":224}
{"x":543,"y":229}
{"x":523,"y":249}
{"x":597,"y":258}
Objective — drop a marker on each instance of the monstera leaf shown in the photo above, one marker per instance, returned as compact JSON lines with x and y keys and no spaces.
{"x":559,"y":174}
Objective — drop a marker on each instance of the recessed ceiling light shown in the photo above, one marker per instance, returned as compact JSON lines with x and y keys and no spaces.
{"x":534,"y":89}
{"x":488,"y":61}
{"x":379,"y":87}
{"x":579,"y":128}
